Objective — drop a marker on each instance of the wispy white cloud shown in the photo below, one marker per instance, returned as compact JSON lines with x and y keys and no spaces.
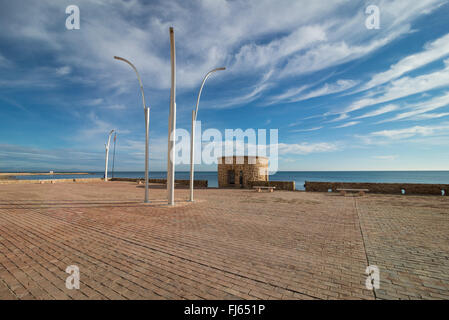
{"x":296,"y":94}
{"x":13,"y":103}
{"x":250,"y":96}
{"x":115,"y":107}
{"x":257,"y":56}
{"x":348,"y":124}
{"x":405,"y":87}
{"x":306,"y":130}
{"x":4,"y":62}
{"x":433,"y":51}
{"x":379,"y":111}
{"x":420,"y":135}
{"x":94,"y":102}
{"x":332,"y":54}
{"x":95,"y":130}
{"x":17,"y":157}
{"x":418,"y":111}
{"x":306,"y":148}
{"x":62,"y":71}
{"x":340,"y":117}
{"x":428,"y":116}
{"x":288,"y":94}
{"x":340,"y":48}
{"x":398,"y":134}
{"x":231,"y":33}
{"x":303,"y":148}
{"x":327,"y":89}
{"x":386,"y":157}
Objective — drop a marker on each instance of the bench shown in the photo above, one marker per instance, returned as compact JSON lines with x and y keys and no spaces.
{"x":259,"y":188}
{"x":361,"y":192}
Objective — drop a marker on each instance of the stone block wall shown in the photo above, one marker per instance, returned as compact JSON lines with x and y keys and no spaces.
{"x":385,"y":188}
{"x":249,"y":168}
{"x":42,"y":181}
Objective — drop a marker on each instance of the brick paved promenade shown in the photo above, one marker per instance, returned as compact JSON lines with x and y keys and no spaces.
{"x":229,"y":244}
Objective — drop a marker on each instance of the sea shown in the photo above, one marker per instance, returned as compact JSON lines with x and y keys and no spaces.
{"x":437,"y":177}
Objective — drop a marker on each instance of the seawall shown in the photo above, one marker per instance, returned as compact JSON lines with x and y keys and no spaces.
{"x":383,"y":188}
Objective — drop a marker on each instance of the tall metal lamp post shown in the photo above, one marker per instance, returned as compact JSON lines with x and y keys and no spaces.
{"x":192,"y":135}
{"x":147,"y":126}
{"x":172,"y":124}
{"x":107,"y":156}
{"x":113,"y":154}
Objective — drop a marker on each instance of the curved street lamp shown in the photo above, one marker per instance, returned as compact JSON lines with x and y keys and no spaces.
{"x":147,"y":126}
{"x":192,"y":136}
{"x":107,"y":156}
{"x":171,"y":124}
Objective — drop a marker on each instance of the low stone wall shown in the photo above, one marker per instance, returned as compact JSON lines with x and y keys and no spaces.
{"x":82,"y":180}
{"x":385,"y":188}
{"x":196,"y":183}
{"x":280,"y":185}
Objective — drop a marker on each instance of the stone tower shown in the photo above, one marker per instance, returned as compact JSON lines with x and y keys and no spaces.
{"x":238,"y":171}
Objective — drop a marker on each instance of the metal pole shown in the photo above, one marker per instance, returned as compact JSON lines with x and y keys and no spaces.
{"x":107,"y":156}
{"x":147,"y":126}
{"x":106,"y":164}
{"x":192,"y":154}
{"x":113,"y":157}
{"x":172,"y":125}
{"x":147,"y":130}
{"x":192,"y":135}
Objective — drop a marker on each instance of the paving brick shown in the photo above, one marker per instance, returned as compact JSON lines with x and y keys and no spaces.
{"x":228,"y":244}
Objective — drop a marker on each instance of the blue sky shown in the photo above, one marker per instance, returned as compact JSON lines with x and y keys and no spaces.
{"x":342,"y":96}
